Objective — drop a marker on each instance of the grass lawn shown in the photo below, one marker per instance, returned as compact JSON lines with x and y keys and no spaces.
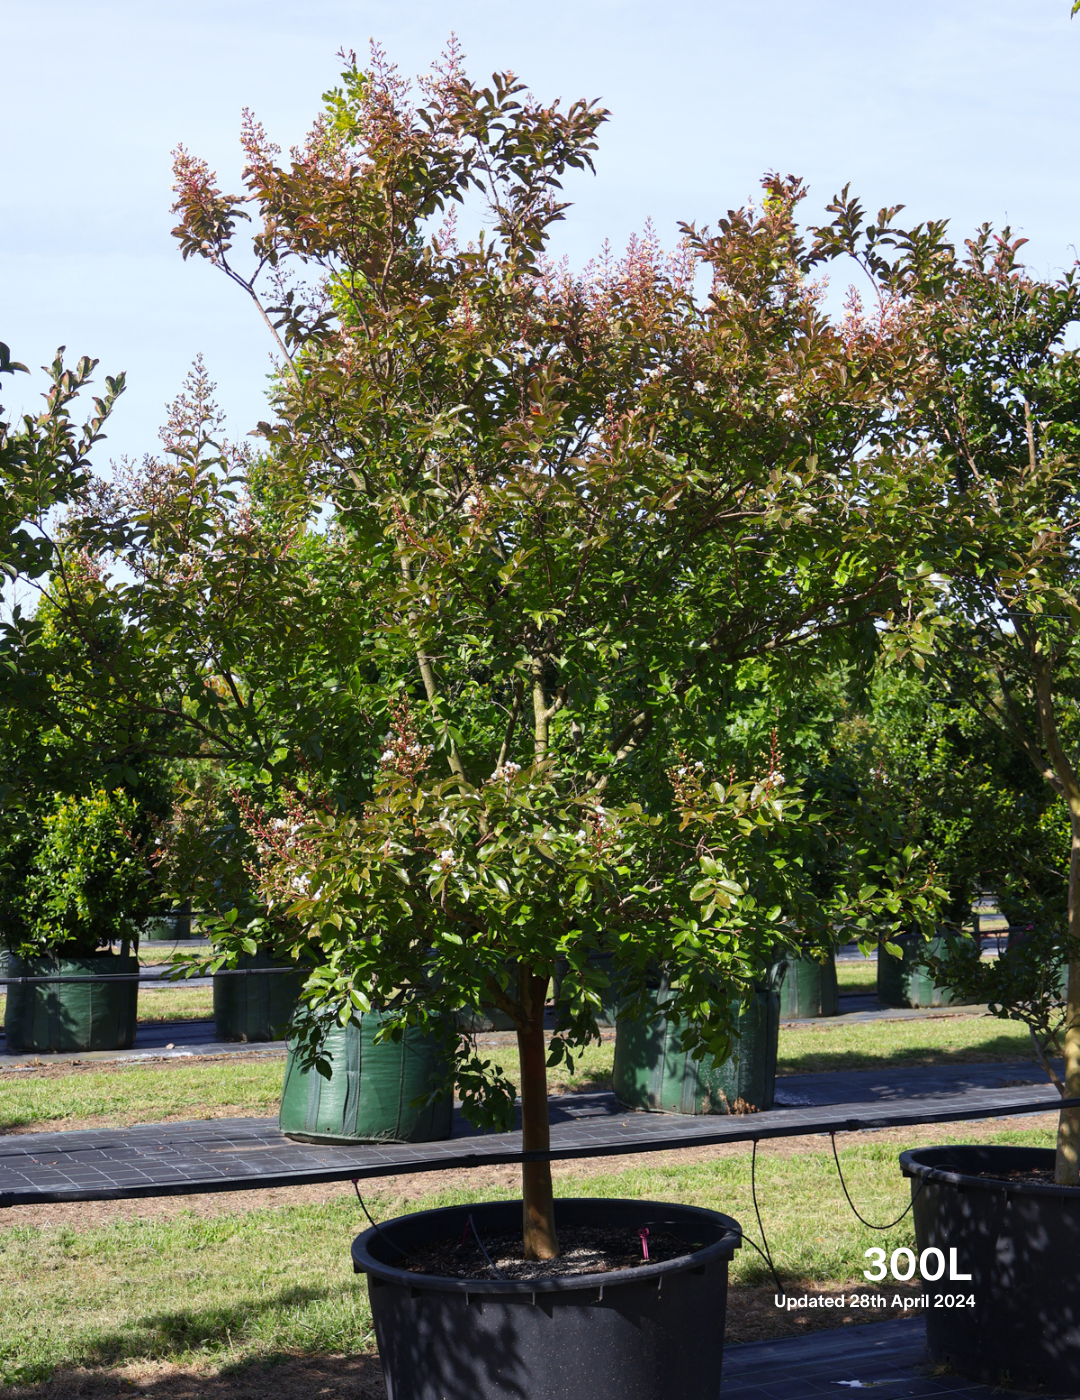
{"x":59,"y":1096}
{"x":858,"y":976}
{"x":176,"y":1004}
{"x":223,"y":1290}
{"x":957,"y":1040}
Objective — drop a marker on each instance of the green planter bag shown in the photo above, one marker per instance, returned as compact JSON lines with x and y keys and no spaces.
{"x":611,"y":998}
{"x":808,"y":988}
{"x":167,"y":928}
{"x":488,"y":1018}
{"x":71,"y":1016}
{"x":370,"y":1093}
{"x":651,"y":1072}
{"x":905,"y":981}
{"x":250,"y":1006}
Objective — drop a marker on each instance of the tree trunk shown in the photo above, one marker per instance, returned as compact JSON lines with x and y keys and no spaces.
{"x":537,"y":1203}
{"x":1067,"y":1165}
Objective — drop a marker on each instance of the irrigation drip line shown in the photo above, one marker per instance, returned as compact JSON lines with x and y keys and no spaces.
{"x":766,"y":1254}
{"x":1065,"y":1103}
{"x":471,"y":1224}
{"x":869,"y":1223}
{"x":374,"y":1225}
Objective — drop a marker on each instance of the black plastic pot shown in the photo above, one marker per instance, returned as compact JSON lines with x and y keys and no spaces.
{"x":1021,"y":1245}
{"x":652,"y":1333}
{"x":93,"y":1013}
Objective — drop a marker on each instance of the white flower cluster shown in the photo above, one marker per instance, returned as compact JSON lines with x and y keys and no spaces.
{"x":506,"y":771}
{"x":388,"y":755}
{"x":447,"y":859}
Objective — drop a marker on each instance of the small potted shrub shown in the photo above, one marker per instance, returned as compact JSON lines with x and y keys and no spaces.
{"x":85,"y":892}
{"x":917,"y":973}
{"x":345,"y":1081}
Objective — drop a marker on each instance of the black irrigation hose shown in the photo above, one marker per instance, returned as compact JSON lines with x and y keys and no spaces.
{"x":869,"y":1223}
{"x":470,"y":1223}
{"x":765,"y":1253}
{"x":476,"y":1236}
{"x":381,"y":1232}
{"x":747,"y":1240}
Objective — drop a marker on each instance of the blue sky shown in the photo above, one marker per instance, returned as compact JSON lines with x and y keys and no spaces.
{"x":958,"y":108}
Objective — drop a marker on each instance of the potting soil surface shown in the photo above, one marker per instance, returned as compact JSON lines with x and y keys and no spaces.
{"x":586,"y":1249}
{"x":1022,"y":1176}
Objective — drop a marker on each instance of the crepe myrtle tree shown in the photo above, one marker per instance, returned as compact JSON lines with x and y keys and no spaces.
{"x":444,"y":896}
{"x":577,"y":502}
{"x":1000,"y":410}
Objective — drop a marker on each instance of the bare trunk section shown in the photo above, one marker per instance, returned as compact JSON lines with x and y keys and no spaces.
{"x":1067,"y":1165}
{"x":427,"y":675}
{"x":537,"y":1201}
{"x":537,"y":1197}
{"x":541,"y":713}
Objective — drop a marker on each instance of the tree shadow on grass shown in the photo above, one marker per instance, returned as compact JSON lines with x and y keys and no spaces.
{"x":587,"y":1082}
{"x":1003,"y":1049}
{"x":283,"y":1376}
{"x":144,"y":1350}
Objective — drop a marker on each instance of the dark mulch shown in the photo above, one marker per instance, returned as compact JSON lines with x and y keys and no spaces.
{"x":585,"y":1250}
{"x":1029,"y":1176}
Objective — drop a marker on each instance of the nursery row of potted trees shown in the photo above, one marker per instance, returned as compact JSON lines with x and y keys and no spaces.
{"x":483,"y":728}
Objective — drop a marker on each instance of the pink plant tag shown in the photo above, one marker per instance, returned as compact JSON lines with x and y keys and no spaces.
{"x":644,"y":1234}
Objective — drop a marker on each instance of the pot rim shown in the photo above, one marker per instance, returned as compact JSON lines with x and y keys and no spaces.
{"x":365,"y":1262}
{"x":910,"y":1166}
